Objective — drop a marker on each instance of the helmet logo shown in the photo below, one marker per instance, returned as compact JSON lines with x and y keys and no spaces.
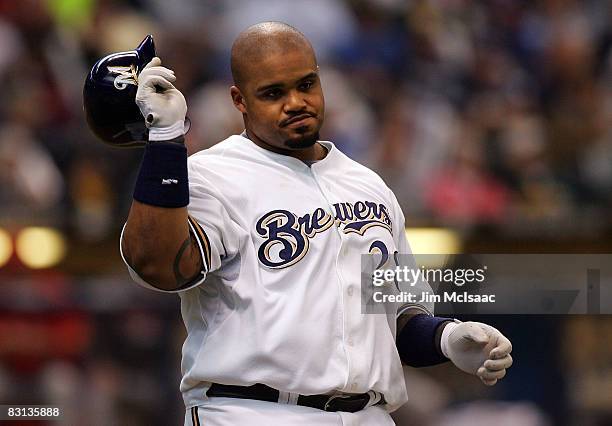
{"x":125,"y":76}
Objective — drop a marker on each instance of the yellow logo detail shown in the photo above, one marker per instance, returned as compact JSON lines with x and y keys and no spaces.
{"x":125,"y":76}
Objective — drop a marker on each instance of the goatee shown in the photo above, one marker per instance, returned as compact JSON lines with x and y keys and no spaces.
{"x":303,"y":142}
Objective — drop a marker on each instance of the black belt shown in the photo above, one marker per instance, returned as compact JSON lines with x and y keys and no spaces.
{"x":347,"y":402}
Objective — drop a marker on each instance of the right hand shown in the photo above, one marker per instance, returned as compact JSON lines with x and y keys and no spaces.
{"x":162,"y":105}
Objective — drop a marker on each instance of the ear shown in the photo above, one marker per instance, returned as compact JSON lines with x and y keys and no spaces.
{"x":238,"y":99}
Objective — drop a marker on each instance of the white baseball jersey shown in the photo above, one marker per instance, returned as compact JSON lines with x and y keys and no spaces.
{"x":279,"y":299}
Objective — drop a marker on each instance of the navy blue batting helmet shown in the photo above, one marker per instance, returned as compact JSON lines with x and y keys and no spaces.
{"x":109,"y":96}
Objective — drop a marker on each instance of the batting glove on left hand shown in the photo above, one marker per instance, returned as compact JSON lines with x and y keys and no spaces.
{"x":477,"y":348}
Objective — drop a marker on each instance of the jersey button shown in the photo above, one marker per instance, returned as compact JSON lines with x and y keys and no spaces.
{"x":350,"y":342}
{"x":349,"y":291}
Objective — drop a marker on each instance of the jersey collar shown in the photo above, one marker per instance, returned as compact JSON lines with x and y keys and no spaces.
{"x":291,"y":161}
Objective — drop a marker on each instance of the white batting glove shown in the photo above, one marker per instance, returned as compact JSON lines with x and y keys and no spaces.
{"x":162,"y":105}
{"x":477,"y":348}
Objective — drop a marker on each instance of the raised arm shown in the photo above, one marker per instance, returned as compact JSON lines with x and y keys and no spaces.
{"x":156,"y":241}
{"x":157,"y":244}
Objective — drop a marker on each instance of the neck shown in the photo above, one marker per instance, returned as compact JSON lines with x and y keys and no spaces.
{"x":314,"y":152}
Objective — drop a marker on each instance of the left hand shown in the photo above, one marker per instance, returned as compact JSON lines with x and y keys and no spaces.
{"x":477,"y":348}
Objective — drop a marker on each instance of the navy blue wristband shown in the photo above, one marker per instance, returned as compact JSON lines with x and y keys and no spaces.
{"x":162,"y":180}
{"x":416,"y":342}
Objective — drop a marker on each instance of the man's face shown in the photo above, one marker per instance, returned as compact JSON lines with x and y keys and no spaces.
{"x":283,"y":100}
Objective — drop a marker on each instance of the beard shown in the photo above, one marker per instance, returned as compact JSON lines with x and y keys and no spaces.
{"x":305,"y":141}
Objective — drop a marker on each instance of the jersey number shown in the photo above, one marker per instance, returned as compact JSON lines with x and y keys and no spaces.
{"x":379,"y":246}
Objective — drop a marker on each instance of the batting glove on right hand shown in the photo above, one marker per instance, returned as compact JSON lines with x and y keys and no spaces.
{"x":162,"y":105}
{"x":477,"y":348}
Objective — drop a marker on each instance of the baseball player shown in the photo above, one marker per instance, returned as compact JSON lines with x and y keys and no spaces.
{"x":263,"y":244}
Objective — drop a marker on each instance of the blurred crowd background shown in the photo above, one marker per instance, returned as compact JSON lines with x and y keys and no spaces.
{"x":492,"y":119}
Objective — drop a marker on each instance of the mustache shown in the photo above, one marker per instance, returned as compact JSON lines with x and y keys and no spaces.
{"x":297,"y":117}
